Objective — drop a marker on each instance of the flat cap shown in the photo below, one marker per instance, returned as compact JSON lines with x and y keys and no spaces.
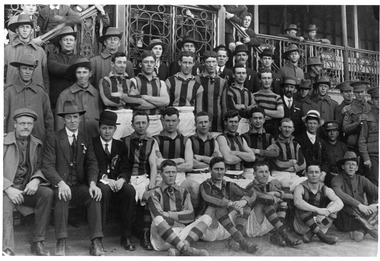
{"x":331,"y":125}
{"x":24,"y":112}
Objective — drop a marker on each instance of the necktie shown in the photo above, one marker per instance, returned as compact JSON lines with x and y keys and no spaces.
{"x":220,"y":71}
{"x":170,"y":191}
{"x":74,"y":149}
{"x":290,"y":103}
{"x":106,"y":150}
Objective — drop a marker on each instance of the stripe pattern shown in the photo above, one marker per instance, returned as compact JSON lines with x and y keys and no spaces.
{"x":138,"y":152}
{"x":171,"y":148}
{"x":183,"y":92}
{"x":268,"y":101}
{"x":235,"y":142}
{"x":200,"y":147}
{"x":151,"y":88}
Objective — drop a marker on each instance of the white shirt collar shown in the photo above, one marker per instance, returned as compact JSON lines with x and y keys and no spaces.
{"x":221,"y":68}
{"x":312,"y":137}
{"x":105,"y":142}
{"x":286,"y":100}
{"x":70,"y":133}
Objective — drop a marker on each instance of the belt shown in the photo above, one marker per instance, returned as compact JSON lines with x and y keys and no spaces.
{"x":231,"y":176}
{"x":202,"y":171}
{"x":185,"y":108}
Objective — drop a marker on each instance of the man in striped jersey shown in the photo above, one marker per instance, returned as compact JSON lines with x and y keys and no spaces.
{"x":186,"y":94}
{"x":173,"y":226}
{"x":270,"y":102}
{"x":239,"y":98}
{"x":235,"y":151}
{"x":213,"y":87}
{"x":153,"y":92}
{"x":141,"y":154}
{"x":287,"y":157}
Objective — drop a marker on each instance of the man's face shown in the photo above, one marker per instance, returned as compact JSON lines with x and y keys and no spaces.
{"x":247,"y":21}
{"x":147,"y":65}
{"x":289,"y":90}
{"x":303,"y":92}
{"x":24,"y":31}
{"x":67,"y":43}
{"x":29,"y":9}
{"x":218,"y":171}
{"x":257,"y":120}
{"x":262,"y":174}
{"x":26,"y":73}
{"x":83,"y":74}
{"x":71,"y":121}
{"x":107,"y":132}
{"x":332,"y":135}
{"x":292,"y":32}
{"x":186,"y":64}
{"x":188,"y":47}
{"x":210,"y":65}
{"x":313,"y":174}
{"x":312,"y":34}
{"x":241,"y":57}
{"x":232,"y":124}
{"x":23,"y":126}
{"x":157,"y":50}
{"x":267,"y":61}
{"x":120,"y":65}
{"x":266,"y":80}
{"x":312,"y":125}
{"x":287,"y":129}
{"x":140,"y":124}
{"x":359,"y":95}
{"x":375,"y":102}
{"x":169,"y":174}
{"x":222,"y":58}
{"x":170,"y":123}
{"x":350,"y":167}
{"x":240,"y":75}
{"x":112,"y":44}
{"x":323,"y":89}
{"x":348,"y":95}
{"x":294,"y":56}
{"x":202,"y":123}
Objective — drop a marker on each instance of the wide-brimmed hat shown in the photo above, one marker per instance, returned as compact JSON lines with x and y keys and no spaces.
{"x":24,"y":112}
{"x":155,"y":42}
{"x":241,"y":48}
{"x":111,"y":31}
{"x":290,"y":80}
{"x":291,"y":48}
{"x":70,"y":108}
{"x":344,"y":86}
{"x":314,"y":61}
{"x":359,"y":85}
{"x":374,"y":92}
{"x":25,"y":59}
{"x":313,"y":114}
{"x":187,"y":40}
{"x":312,"y":27}
{"x":67,"y":30}
{"x":80,"y":62}
{"x":323,"y":79}
{"x":222,"y":46}
{"x":292,"y":27}
{"x":305,"y":84}
{"x":348,"y":156}
{"x":21,"y":19}
{"x":331,"y":125}
{"x":266,"y":52}
{"x":108,"y":118}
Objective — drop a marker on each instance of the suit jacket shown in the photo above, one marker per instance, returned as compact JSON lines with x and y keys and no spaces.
{"x":226,"y":74}
{"x":116,"y":163}
{"x":311,"y":152}
{"x":56,"y":159}
{"x":294,"y":113}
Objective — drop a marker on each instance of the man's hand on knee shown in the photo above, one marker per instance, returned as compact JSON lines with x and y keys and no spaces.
{"x":32,"y":187}
{"x":15,"y":195}
{"x":64,"y":191}
{"x":95,"y":192}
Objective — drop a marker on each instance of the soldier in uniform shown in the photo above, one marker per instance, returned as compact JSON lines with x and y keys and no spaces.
{"x":348,"y":97}
{"x":292,"y":54}
{"x":326,"y":106}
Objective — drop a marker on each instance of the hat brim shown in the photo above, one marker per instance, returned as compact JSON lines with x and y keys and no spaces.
{"x":321,"y":121}
{"x":244,"y":51}
{"x":62,"y":114}
{"x":286,"y":29}
{"x":342,"y":161}
{"x":72,"y":69}
{"x":285,"y":83}
{"x":58,"y":38}
{"x":13,"y":26}
{"x":107,"y":122}
{"x":180,"y":45}
{"x":164,"y":46}
{"x":290,"y":51}
{"x":104,"y":37}
{"x":18,"y":64}
{"x":216,"y":49}
{"x":318,"y":83}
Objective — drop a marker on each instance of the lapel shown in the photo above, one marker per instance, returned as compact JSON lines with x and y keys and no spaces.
{"x":114,"y":150}
{"x":64,"y":144}
{"x":80,"y":140}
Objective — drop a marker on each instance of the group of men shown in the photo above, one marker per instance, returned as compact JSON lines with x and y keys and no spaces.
{"x":212,"y":153}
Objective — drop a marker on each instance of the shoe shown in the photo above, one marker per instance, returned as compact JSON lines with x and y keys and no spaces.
{"x":307,"y":237}
{"x":235,"y":246}
{"x":96,"y":248}
{"x":277,"y":239}
{"x":244,"y":244}
{"x":61,"y":247}
{"x":39,"y":249}
{"x":173,"y":252}
{"x":192,"y":251}
{"x":127,"y":244}
{"x":145,"y":241}
{"x":357,"y":235}
{"x":328,"y":239}
{"x":289,"y":238}
{"x":8,"y":252}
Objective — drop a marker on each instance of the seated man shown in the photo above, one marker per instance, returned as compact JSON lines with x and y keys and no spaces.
{"x":269,"y":210}
{"x":22,"y":178}
{"x":287,"y":157}
{"x":356,"y":217}
{"x":235,"y":151}
{"x":222,"y":200}
{"x":113,"y":176}
{"x":173,"y":226}
{"x":316,"y":207}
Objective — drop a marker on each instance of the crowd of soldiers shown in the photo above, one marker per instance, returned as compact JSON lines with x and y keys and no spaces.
{"x":187,"y":151}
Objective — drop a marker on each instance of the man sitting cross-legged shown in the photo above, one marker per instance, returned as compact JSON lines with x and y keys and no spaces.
{"x":173,"y":226}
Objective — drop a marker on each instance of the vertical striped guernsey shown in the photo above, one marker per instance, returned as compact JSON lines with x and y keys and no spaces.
{"x":171,"y":148}
{"x":235,"y":142}
{"x":237,"y":96}
{"x":200,"y":147}
{"x":183,"y":92}
{"x":151,"y":88}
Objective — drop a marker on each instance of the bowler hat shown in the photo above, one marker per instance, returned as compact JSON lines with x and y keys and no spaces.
{"x":241,"y":48}
{"x":111,"y":31}
{"x":24,"y":112}
{"x":291,"y":48}
{"x":359,"y":85}
{"x":374,"y":92}
{"x":289,"y":80}
{"x":314,"y":61}
{"x":80,"y":62}
{"x":331,"y":125}
{"x":348,"y":156}
{"x":223,"y":47}
{"x":312,"y":27}
{"x":266,"y":52}
{"x":67,"y":30}
{"x":25,"y":59}
{"x":70,"y":108}
{"x":344,"y":86}
{"x":108,"y":118}
{"x":323,"y":79}
{"x":187,"y":40}
{"x":292,"y":27}
{"x":155,"y":42}
{"x":21,"y":19}
{"x":305,"y":84}
{"x":313,"y":114}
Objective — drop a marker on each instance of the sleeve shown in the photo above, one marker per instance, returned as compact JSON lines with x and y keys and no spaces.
{"x":38,"y":172}
{"x":363,"y":138}
{"x":186,"y":215}
{"x":48,"y":117}
{"x":130,"y":71}
{"x":230,"y":101}
{"x":155,"y":207}
{"x":238,"y":193}
{"x":255,"y":42}
{"x":6,"y":110}
{"x":211,"y":199}
{"x":370,"y":188}
{"x":91,"y":163}
{"x":45,"y":72}
{"x":49,"y":162}
{"x":124,"y":168}
{"x":349,"y":126}
{"x":272,"y":151}
{"x":240,"y":15}
{"x":301,"y":164}
{"x":337,"y":186}
{"x":56,"y":67}
{"x":105,"y":93}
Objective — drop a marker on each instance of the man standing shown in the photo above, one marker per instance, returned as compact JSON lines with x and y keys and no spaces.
{"x":303,"y":97}
{"x":188,"y":44}
{"x":113,"y":176}
{"x":312,"y":35}
{"x":173,"y":226}
{"x":313,"y":69}
{"x":223,"y":56}
{"x":292,"y":108}
{"x":348,"y":97}
{"x":326,"y":105}
{"x":241,"y":56}
{"x":291,"y":33}
{"x":82,"y":94}
{"x":25,"y":93}
{"x":251,"y":40}
{"x":69,"y":163}
{"x":292,"y":54}
{"x":22,"y":182}
{"x":101,"y":63}
{"x":161,"y":69}
{"x":266,"y":61}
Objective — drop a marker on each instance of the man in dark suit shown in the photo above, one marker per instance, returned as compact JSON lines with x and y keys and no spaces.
{"x":69,"y":163}
{"x":112,"y":160}
{"x":223,"y":56}
{"x":252,"y":82}
{"x":292,"y":107}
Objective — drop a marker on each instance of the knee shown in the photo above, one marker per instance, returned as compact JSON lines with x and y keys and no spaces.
{"x":206,"y":219}
{"x":47,"y":194}
{"x":157,"y":220}
{"x":129,"y":190}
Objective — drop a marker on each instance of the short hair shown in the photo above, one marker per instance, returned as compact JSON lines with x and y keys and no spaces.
{"x":147,"y":53}
{"x":116,"y":55}
{"x":209,"y":54}
{"x":266,"y":70}
{"x":261,"y":163}
{"x":201,"y":113}
{"x":139,"y":113}
{"x":186,"y":54}
{"x":286,"y":120}
{"x":249,"y":14}
{"x":238,"y":65}
{"x":166,"y":163}
{"x":169,"y":111}
{"x":231,"y":114}
{"x":256,"y":109}
{"x":313,"y":163}
{"x":215,"y":160}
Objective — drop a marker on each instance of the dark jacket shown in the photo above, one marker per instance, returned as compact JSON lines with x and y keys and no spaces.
{"x":311,"y":152}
